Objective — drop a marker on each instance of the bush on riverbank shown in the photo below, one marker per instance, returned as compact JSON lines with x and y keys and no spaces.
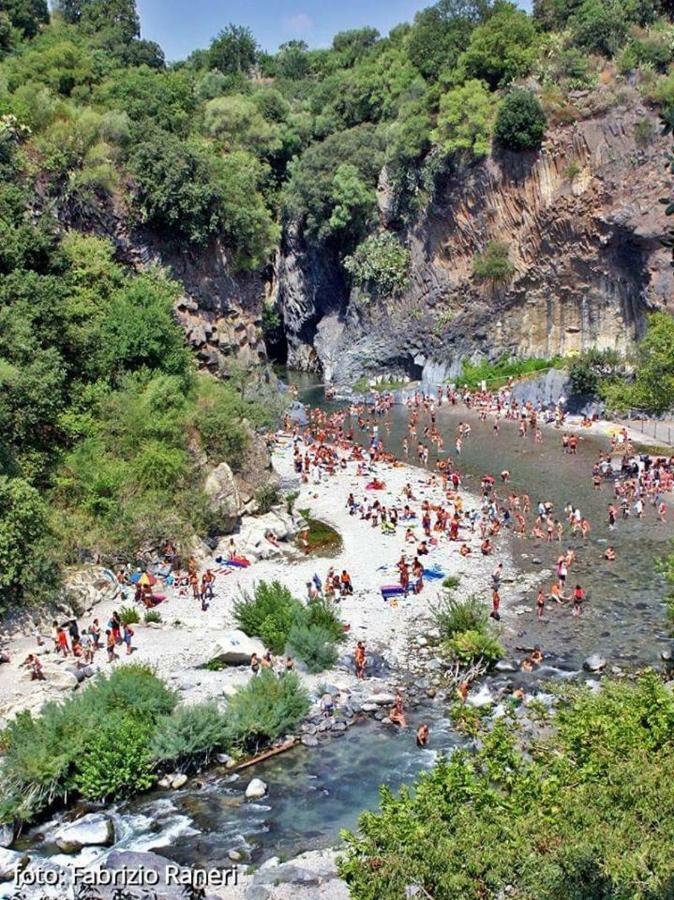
{"x":189,"y":736}
{"x":113,"y":738}
{"x":310,"y":632}
{"x":95,"y":744}
{"x":587,"y":814}
{"x":268,"y":613}
{"x":264,"y":709}
{"x":466,"y":631}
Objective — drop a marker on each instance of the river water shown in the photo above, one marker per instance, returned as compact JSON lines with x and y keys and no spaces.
{"x":315,"y":793}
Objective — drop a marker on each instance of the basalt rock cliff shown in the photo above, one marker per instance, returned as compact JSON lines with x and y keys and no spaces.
{"x":221,"y":311}
{"x":582,"y":222}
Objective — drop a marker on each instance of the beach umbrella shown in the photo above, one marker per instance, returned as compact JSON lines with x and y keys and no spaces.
{"x":135,"y":577}
{"x":614,"y":429}
{"x":146,"y":578}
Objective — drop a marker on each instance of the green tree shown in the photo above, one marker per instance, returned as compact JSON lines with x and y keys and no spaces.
{"x":176,"y":192}
{"x":521,"y":121}
{"x":353,"y":201}
{"x":233,"y":51}
{"x":654,"y":385}
{"x":465,"y":119}
{"x":351,"y":46}
{"x":292,"y":60}
{"x":117,"y":16}
{"x":380,"y":263}
{"x":24,"y":562}
{"x":600,"y":26}
{"x":503,"y":48}
{"x":27,"y":15}
{"x":441,"y":32}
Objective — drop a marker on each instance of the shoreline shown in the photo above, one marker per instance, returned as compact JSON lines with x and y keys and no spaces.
{"x":392,"y":633}
{"x":176,"y":650}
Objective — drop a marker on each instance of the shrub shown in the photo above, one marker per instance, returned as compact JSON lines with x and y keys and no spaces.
{"x":520,"y":121}
{"x":189,"y":736}
{"x":267,"y":497}
{"x":264,"y":709}
{"x":129,"y":615}
{"x":493,"y":265}
{"x":269,"y":614}
{"x":468,"y":647}
{"x":96,"y":743}
{"x":314,"y":645}
{"x":643,"y":132}
{"x":152,"y":616}
{"x":380,"y":264}
{"x":115,"y":761}
{"x":323,"y":613}
{"x":451,"y":582}
{"x":588,"y":371}
{"x":453,"y":617}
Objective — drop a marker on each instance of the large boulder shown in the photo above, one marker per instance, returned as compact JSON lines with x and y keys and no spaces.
{"x":84,"y":588}
{"x":595,"y":662}
{"x":6,"y":836}
{"x":252,"y":540}
{"x":235,"y":648}
{"x":256,"y":472}
{"x":223,"y":496}
{"x":61,"y":679}
{"x":9,"y":863}
{"x":93,"y":830}
{"x":256,"y":789}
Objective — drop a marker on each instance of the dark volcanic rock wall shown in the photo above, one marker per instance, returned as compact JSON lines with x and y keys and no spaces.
{"x":220,"y":311}
{"x":582,"y":222}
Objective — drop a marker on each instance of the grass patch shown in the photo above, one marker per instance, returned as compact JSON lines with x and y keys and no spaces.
{"x":497,"y":374}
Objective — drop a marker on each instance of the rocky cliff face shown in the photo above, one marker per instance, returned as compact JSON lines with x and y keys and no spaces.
{"x":582,"y":223}
{"x":220,"y":311}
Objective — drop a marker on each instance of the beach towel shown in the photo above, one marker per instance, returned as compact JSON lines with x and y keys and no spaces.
{"x":391,"y":590}
{"x":239,"y":561}
{"x":434,"y":574}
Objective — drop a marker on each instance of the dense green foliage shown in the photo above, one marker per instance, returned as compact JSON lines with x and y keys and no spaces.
{"x":283,"y":623}
{"x":497,"y":374}
{"x":651,"y":388}
{"x":94,"y":744}
{"x":588,"y":813}
{"x":594,"y":368}
{"x":520,"y":122}
{"x":466,"y":631}
{"x":116,"y":736}
{"x":266,"y":708}
{"x":380,"y":263}
{"x":99,"y":395}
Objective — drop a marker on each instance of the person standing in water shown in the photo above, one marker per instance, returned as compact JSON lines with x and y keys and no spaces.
{"x":360,"y":660}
